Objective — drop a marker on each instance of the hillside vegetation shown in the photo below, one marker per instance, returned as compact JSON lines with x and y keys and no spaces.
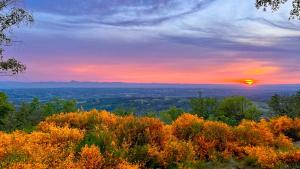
{"x":99,"y":139}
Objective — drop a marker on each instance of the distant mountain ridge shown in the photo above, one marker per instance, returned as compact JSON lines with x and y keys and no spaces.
{"x":77,"y":84}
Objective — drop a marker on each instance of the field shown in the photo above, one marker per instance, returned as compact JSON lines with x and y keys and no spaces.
{"x":142,"y":98}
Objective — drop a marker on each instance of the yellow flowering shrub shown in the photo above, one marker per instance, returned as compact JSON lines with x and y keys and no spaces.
{"x":284,"y":142}
{"x":176,"y":152}
{"x":84,"y":120}
{"x":187,"y":126}
{"x":253,"y":133}
{"x":296,"y":125}
{"x":290,"y":157}
{"x":204,"y":148}
{"x":27,"y":166}
{"x":91,"y":158}
{"x":132,"y":131}
{"x":126,"y":165}
{"x":287,"y":126}
{"x":281,"y":124}
{"x":61,"y":135}
{"x":99,"y":139}
{"x":46,"y":149}
{"x":266,"y":157}
{"x":217,"y":132}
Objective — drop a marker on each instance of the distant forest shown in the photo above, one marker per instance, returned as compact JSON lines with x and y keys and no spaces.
{"x":231,"y":110}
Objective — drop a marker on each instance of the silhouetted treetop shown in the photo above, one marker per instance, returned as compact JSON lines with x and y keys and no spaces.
{"x":10,"y":17}
{"x":276,"y":4}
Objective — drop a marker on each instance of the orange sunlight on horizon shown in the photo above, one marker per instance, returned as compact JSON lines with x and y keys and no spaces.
{"x":249,"y":82}
{"x":241,"y":71}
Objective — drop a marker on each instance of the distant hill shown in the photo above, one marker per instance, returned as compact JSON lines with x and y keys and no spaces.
{"x":77,"y":84}
{"x":142,"y":97}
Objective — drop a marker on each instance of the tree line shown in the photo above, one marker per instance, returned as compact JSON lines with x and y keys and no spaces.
{"x":28,"y":115}
{"x":230,"y":110}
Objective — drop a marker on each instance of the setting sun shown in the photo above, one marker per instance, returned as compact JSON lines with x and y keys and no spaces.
{"x":249,"y":82}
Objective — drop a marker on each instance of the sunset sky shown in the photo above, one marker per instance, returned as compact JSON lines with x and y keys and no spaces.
{"x":163,"y":41}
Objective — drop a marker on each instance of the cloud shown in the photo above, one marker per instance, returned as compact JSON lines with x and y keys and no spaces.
{"x":224,"y":22}
{"x":192,"y":32}
{"x":120,"y":12}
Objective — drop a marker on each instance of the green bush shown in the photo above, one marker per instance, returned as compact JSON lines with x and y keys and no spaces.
{"x":170,"y":115}
{"x":101,"y":138}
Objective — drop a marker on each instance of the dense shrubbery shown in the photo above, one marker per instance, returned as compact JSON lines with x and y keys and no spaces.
{"x":230,"y":110}
{"x":224,"y":133}
{"x":98,"y":139}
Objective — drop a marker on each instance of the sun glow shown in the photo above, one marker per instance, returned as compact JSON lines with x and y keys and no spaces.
{"x":249,"y":82}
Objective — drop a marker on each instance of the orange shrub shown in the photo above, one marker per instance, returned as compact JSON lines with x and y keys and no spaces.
{"x":297,"y":123}
{"x":284,"y":142}
{"x":84,"y":120}
{"x":187,"y":126}
{"x":91,"y":158}
{"x":204,"y":148}
{"x":217,"y":132}
{"x":286,"y":126}
{"x":281,"y":124}
{"x":266,"y":157}
{"x":126,"y":165}
{"x":291,"y":157}
{"x":38,"y":149}
{"x":131,"y":131}
{"x":252,"y":133}
{"x":70,"y":163}
{"x":98,"y":139}
{"x":28,"y":166}
{"x":297,"y":127}
{"x":176,"y":152}
{"x":61,"y":134}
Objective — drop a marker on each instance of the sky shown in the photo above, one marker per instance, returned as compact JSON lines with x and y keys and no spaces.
{"x":157,"y":41}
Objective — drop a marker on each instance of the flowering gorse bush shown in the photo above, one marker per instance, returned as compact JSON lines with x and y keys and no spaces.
{"x":99,"y":139}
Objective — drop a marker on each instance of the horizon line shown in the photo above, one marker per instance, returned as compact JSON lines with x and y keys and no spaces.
{"x":147,"y":83}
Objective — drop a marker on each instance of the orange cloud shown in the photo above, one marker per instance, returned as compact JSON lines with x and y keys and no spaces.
{"x":183,"y":70}
{"x":260,"y":71}
{"x":233,"y":72}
